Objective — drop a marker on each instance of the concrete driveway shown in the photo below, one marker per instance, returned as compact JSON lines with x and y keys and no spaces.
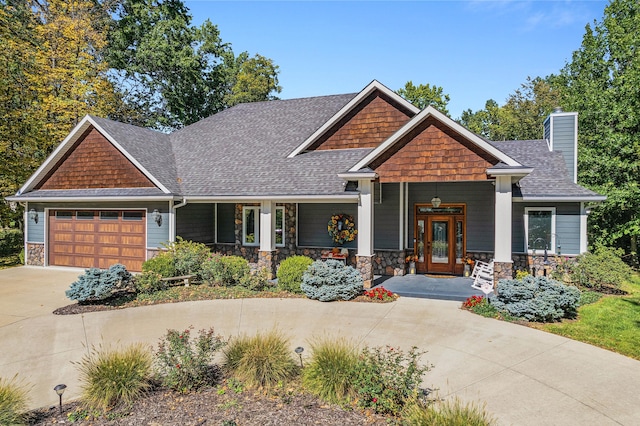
{"x":525,"y":376}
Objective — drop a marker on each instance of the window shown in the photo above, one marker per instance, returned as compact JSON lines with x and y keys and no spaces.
{"x":64,"y":215}
{"x":540,"y":228}
{"x":108,"y":215}
{"x":83,"y":215}
{"x":136,"y":216}
{"x":251,"y":226}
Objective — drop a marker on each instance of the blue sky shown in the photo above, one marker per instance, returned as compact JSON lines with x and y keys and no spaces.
{"x":475,"y":50}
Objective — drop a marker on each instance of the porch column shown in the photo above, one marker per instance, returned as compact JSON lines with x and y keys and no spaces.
{"x":503,"y":261}
{"x":364,"y":256}
{"x":266,"y":255}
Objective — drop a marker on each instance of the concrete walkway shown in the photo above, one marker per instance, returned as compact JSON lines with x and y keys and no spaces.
{"x":525,"y":376}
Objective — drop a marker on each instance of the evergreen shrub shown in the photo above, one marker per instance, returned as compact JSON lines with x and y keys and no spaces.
{"x":290,"y":273}
{"x":225,"y":270}
{"x":162,"y":263}
{"x":537,"y":299}
{"x":98,"y":284}
{"x":331,"y":280}
{"x":188,"y":257}
{"x":601,"y":269}
{"x":11,"y":241}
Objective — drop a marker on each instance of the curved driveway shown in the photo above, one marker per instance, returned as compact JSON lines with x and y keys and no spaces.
{"x":525,"y":376}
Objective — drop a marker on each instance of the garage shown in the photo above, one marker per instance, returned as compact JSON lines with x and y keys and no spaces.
{"x":97,"y":238}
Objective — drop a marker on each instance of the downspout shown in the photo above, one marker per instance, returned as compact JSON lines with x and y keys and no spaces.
{"x":172,"y":221}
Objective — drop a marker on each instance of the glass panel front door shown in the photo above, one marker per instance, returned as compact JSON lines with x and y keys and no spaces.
{"x":439,"y":241}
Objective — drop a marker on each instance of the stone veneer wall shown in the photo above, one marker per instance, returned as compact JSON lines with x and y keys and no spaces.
{"x":35,"y":254}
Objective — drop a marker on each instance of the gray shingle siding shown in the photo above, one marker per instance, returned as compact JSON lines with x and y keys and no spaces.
{"x":386,"y":218}
{"x":35,"y":231}
{"x":225,"y":223}
{"x":567,"y":226}
{"x":195,"y":222}
{"x":564,"y":139}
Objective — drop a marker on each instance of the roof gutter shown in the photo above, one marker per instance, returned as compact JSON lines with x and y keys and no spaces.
{"x":547,"y":199}
{"x":88,"y":199}
{"x":182,"y":204}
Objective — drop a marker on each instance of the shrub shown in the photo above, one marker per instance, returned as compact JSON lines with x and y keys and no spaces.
{"x":290,"y":273}
{"x":331,"y":280}
{"x":256,"y":280}
{"x":13,"y":402}
{"x":225,"y":270}
{"x":11,"y":241}
{"x":162,"y":263}
{"x":536,"y":299}
{"x":185,"y":365}
{"x":472,"y":301}
{"x":329,"y":374}
{"x":263,"y":361}
{"x":521,"y":273}
{"x":380,"y":293}
{"x":149,"y":282}
{"x":114,"y":378}
{"x":589,"y":297}
{"x":188,"y":257}
{"x":98,"y":284}
{"x":449,"y":413}
{"x":600,"y":269}
{"x":386,"y":378}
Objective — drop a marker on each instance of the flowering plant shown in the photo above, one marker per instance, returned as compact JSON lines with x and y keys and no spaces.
{"x":472,"y":302}
{"x":411,"y":258}
{"x":468,"y":261}
{"x":380,"y":293}
{"x":342,"y":228}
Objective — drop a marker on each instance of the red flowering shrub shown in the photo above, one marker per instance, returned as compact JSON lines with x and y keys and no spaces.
{"x":380,"y":293}
{"x":472,"y":301}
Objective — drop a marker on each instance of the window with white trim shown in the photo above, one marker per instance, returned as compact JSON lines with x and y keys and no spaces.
{"x":540,"y":229}
{"x":251,"y":226}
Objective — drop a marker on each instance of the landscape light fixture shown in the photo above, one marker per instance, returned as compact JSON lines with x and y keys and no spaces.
{"x":60,"y":390}
{"x":33,"y":215}
{"x":299,"y":351}
{"x":157,"y":217}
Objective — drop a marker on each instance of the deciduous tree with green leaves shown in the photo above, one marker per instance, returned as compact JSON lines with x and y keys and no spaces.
{"x":424,"y":95}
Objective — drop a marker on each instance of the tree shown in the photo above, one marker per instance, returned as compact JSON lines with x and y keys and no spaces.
{"x":484,"y":122}
{"x":171,"y":74}
{"x":424,"y":95}
{"x":601,"y":83}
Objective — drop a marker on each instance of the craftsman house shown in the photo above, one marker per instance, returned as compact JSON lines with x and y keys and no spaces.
{"x":263,"y":179}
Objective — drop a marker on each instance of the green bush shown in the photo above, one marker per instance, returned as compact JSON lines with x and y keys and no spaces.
{"x":188,"y":257}
{"x":386,"y":378}
{"x":600,"y":269}
{"x":149,"y":282}
{"x":11,"y":241}
{"x":114,"y":378}
{"x":99,"y":284}
{"x":185,"y":365}
{"x":225,"y":270}
{"x":329,"y":374}
{"x":449,"y":413}
{"x":256,"y":280}
{"x":261,"y":361}
{"x":162,"y":263}
{"x":589,"y":297}
{"x":13,"y":402}
{"x":331,"y":280}
{"x":290,"y":273}
{"x":536,"y":299}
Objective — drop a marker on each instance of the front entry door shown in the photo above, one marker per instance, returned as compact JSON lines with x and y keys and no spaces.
{"x":440,"y":244}
{"x":439,"y":254}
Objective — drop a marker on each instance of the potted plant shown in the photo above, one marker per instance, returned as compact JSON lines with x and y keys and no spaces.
{"x":411,"y":260}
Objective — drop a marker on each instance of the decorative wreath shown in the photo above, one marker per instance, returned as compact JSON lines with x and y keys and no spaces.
{"x":342,"y":228}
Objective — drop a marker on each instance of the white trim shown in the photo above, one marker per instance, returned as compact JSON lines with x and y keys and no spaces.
{"x":140,"y":198}
{"x":552,"y":244}
{"x":365,"y":219}
{"x":575,"y":149}
{"x":284,"y":226}
{"x":401,"y":217}
{"x":503,"y":220}
{"x":358,"y":175}
{"x":515,"y":171}
{"x":415,"y":121}
{"x":373,"y":86}
{"x":593,"y":198}
{"x":68,"y":143}
{"x":584,"y":214}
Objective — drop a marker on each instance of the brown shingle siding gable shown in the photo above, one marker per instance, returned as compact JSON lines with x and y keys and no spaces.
{"x":95,"y":163}
{"x":433,"y":152}
{"x":366,"y":126}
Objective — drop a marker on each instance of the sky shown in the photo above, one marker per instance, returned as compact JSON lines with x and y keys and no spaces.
{"x":475,"y":50}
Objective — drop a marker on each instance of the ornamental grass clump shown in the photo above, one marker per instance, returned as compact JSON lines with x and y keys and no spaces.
{"x":290,"y":273}
{"x":329,"y":374}
{"x":185,"y":364}
{"x":113,"y":378}
{"x":537,"y":299}
{"x":331,"y":280}
{"x":13,"y":402}
{"x":446,"y":413}
{"x":261,"y":361}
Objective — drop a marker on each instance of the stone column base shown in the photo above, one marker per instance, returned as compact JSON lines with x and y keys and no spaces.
{"x":364,"y":264}
{"x":267,"y":260}
{"x":502,"y":271}
{"x":35,"y":254}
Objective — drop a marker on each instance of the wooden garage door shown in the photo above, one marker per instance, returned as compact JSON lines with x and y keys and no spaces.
{"x":100,"y":238}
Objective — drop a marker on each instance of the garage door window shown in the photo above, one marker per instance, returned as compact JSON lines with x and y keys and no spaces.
{"x":135,"y":216}
{"x":64,"y":215}
{"x":108,"y":215}
{"x":84,"y":215}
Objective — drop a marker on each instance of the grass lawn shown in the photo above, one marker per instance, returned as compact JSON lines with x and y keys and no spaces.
{"x":612,"y":323}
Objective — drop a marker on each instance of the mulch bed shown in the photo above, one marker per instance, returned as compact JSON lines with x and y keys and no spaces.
{"x":210,"y":407}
